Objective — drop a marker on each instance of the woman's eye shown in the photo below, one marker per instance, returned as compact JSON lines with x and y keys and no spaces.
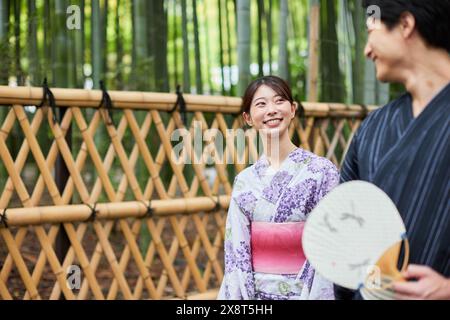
{"x":280,"y":100}
{"x":259,"y":105}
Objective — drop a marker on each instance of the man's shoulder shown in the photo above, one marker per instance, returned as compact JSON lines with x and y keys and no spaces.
{"x":385,"y":112}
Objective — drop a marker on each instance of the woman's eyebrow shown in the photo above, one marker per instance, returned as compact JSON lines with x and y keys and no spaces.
{"x":260,"y":98}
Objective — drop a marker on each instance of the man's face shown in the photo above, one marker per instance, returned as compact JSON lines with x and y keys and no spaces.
{"x":386,"y":48}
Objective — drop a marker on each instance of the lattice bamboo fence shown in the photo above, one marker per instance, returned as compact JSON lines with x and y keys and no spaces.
{"x":138,"y":224}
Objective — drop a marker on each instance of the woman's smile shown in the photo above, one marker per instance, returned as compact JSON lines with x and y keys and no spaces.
{"x":273,"y":123}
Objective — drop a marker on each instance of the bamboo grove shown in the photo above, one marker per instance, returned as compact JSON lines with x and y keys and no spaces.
{"x":207,"y":46}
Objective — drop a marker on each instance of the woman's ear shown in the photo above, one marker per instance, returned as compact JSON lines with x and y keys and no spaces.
{"x":247,"y":118}
{"x":294,"y":109}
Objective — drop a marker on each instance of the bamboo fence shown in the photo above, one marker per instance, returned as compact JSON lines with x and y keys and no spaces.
{"x":182,"y":257}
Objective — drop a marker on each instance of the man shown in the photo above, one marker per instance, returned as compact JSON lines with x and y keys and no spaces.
{"x":404,"y":148}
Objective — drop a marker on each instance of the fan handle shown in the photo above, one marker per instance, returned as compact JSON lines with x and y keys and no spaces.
{"x":388,"y":264}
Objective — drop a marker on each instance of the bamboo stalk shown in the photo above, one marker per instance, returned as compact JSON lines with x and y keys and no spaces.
{"x":202,"y":234}
{"x":120,"y":195}
{"x":121,"y":99}
{"x":37,"y":153}
{"x":110,"y":256}
{"x":84,"y":261}
{"x":182,"y":182}
{"x":145,"y":153}
{"x":175,"y":243}
{"x":167,"y":262}
{"x":20,"y":264}
{"x":22,"y":155}
{"x":313,"y":70}
{"x":124,"y":259}
{"x":68,"y":192}
{"x":114,"y":210}
{"x":4,"y":292}
{"x":180,"y":226}
{"x":138,"y":258}
{"x":149,"y":256}
{"x":12,"y":248}
{"x":152,"y":101}
{"x":46,"y":243}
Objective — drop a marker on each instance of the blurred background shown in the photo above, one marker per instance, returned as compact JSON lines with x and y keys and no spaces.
{"x":208,"y":46}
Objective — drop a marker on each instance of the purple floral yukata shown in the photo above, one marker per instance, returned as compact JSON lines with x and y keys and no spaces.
{"x":286,"y":195}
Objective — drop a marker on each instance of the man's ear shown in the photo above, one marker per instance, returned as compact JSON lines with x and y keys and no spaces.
{"x":247,"y":118}
{"x":407,"y":24}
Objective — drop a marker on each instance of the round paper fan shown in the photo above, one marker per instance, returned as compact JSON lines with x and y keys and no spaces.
{"x":353,"y":238}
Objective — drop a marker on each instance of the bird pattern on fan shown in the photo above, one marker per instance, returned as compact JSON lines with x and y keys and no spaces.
{"x":354,"y":237}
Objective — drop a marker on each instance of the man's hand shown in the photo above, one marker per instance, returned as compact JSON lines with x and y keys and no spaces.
{"x":429,"y":285}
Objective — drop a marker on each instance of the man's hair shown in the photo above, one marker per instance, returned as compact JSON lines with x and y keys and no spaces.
{"x":432,"y":17}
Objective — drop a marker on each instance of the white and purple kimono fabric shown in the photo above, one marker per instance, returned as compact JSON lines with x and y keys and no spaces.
{"x":287,"y":195}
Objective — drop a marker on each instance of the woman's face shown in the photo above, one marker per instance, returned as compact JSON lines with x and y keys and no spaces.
{"x":269,"y":112}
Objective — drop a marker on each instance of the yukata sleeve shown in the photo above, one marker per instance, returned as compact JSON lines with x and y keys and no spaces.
{"x":349,"y":170}
{"x":329,"y":181}
{"x":238,"y":282}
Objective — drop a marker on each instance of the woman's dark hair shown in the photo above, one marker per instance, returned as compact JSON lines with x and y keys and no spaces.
{"x":432,"y":17}
{"x":277,"y":84}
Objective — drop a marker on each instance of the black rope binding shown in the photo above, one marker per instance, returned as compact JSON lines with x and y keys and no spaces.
{"x":106,"y":103}
{"x":150,"y":212}
{"x":94,"y":213}
{"x":4,"y":219}
{"x":218,"y":206}
{"x":181,"y":104}
{"x":50,"y":98}
{"x":365,"y":111}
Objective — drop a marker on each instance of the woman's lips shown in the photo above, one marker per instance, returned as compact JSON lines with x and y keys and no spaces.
{"x":273,"y":123}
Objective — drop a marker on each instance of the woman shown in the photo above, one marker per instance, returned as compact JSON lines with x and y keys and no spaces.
{"x":270,"y":202}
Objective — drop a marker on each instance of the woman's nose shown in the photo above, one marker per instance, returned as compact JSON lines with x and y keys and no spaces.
{"x":271,"y":108}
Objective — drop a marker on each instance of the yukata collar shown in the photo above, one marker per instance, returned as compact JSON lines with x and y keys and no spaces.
{"x":263,"y":163}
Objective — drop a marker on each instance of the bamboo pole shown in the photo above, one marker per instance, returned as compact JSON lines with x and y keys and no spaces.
{"x":117,"y":210}
{"x":109,"y":253}
{"x":12,"y":247}
{"x":66,"y":196}
{"x":202,"y":234}
{"x":138,"y":194}
{"x":4,"y":292}
{"x":122,"y":99}
{"x":169,"y":272}
{"x":39,"y":188}
{"x":174,"y":247}
{"x":157,"y":101}
{"x":166,"y":258}
{"x":119,"y":197}
{"x":20,"y":264}
{"x":200,"y":179}
{"x":184,"y":188}
{"x":45,"y":241}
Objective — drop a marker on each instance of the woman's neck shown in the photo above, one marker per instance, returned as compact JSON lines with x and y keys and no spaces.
{"x":277,"y":150}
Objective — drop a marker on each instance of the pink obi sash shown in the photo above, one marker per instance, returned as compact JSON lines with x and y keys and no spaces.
{"x":277,"y":247}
